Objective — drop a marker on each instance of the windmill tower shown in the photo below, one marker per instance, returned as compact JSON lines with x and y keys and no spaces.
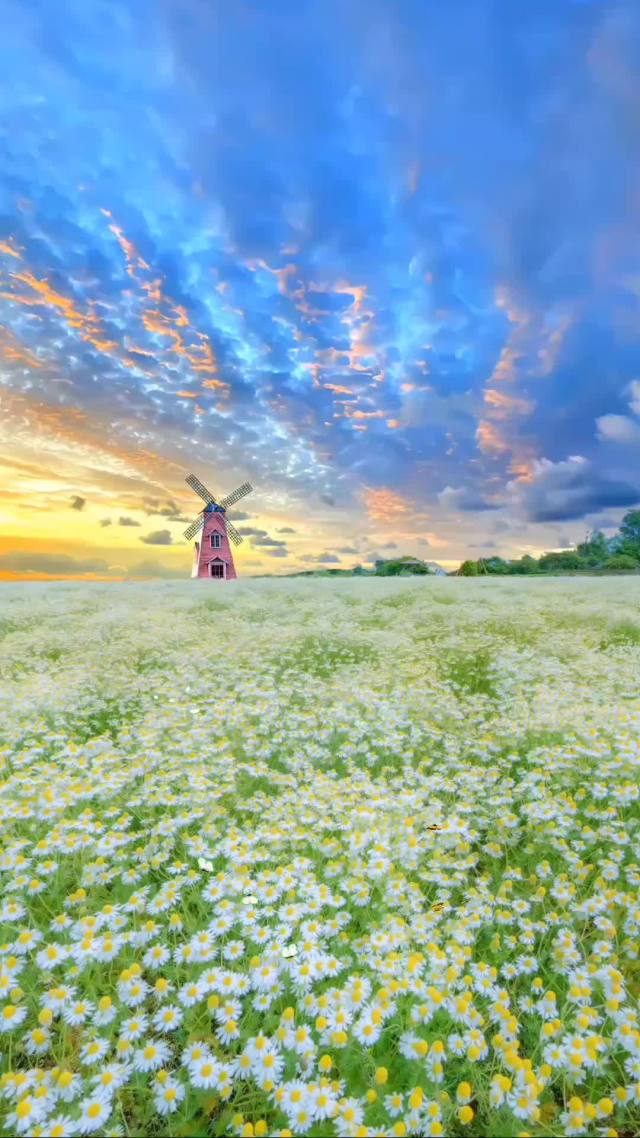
{"x":212,"y":554}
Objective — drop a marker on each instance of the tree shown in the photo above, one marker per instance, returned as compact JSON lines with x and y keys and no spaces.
{"x":593,"y":550}
{"x":526,"y":564}
{"x":567,"y":559}
{"x":630,"y":526}
{"x":630,"y":534}
{"x":496,"y":565}
{"x":402,"y":567}
{"x":469,"y":569}
{"x":621,"y":561}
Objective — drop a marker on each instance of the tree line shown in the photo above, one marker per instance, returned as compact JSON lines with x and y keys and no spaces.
{"x":596,"y":553}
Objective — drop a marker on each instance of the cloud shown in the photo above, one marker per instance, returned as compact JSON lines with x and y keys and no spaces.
{"x":464,"y":498}
{"x":126,"y":521}
{"x":77,"y":503}
{"x":158,"y":537}
{"x":153,"y":569}
{"x":619,"y":429}
{"x":157,"y":507}
{"x":58,"y":563}
{"x":276,"y":552}
{"x":414,"y":285}
{"x":384,"y":505}
{"x":105,"y":522}
{"x":320,"y":558}
{"x":268,"y":541}
{"x":286,"y":529}
{"x":260,"y":537}
{"x":572,"y":489}
{"x":348,"y":549}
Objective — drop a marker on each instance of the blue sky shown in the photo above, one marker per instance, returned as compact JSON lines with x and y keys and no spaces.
{"x":381,"y":259}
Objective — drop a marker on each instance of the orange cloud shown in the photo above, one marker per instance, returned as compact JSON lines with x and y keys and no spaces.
{"x":354,"y":413}
{"x":384,"y":505}
{"x":507,"y":405}
{"x":13,"y":351}
{"x":549,"y":352}
{"x":523,"y":467}
{"x":6,"y":247}
{"x":43,"y":295}
{"x":165,"y":318}
{"x":335,"y":387}
{"x":132,"y":257}
{"x":489,"y":438}
{"x":282,"y":275}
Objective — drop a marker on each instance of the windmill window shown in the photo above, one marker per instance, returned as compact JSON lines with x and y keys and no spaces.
{"x":217,"y":569}
{"x":215,"y":540}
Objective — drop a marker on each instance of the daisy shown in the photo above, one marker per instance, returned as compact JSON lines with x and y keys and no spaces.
{"x":193,"y":1053}
{"x":94,"y":1113}
{"x":134,"y":1027}
{"x":50,"y":956}
{"x":366,"y":1031}
{"x":59,"y":1127}
{"x":93,"y":1051}
{"x":27,"y":1114}
{"x":394,"y":1104}
{"x":349,"y":1118}
{"x":133,"y":992}
{"x":167,"y":1019}
{"x":111,"y":1078}
{"x":67,"y":1086}
{"x":37,"y":1041}
{"x":168,"y":1096}
{"x":11,"y":1016}
{"x":204,"y":1072}
{"x":269,"y":1065}
{"x":322,"y":1104}
{"x":151,"y":1056}
{"x":77,"y":1012}
{"x":106,"y":1012}
{"x":191,"y":994}
{"x":228,"y":1030}
{"x":300,"y":1118}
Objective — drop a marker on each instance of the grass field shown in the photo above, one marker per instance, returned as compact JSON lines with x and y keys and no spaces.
{"x":322,"y":857}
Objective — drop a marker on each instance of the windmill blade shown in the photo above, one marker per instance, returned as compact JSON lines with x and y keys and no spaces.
{"x":236,"y":495}
{"x":194,"y":527}
{"x":233,"y":534}
{"x":200,"y":488}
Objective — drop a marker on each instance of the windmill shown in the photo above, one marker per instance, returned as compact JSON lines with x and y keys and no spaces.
{"x":212,"y":554}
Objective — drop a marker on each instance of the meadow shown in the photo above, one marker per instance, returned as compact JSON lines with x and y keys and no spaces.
{"x":321,"y":857}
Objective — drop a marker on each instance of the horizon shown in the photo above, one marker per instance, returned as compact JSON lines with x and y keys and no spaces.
{"x":381,"y":261}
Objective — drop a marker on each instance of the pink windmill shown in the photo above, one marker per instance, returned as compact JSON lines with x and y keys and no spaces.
{"x":212,"y":554}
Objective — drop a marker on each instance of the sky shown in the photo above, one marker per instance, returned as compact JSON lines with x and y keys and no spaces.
{"x":381,"y":258}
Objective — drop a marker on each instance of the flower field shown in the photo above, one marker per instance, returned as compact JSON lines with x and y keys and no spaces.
{"x":355,"y":857}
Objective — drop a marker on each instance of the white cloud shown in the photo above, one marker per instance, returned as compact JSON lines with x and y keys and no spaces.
{"x":619,"y":428}
{"x":634,"y":392}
